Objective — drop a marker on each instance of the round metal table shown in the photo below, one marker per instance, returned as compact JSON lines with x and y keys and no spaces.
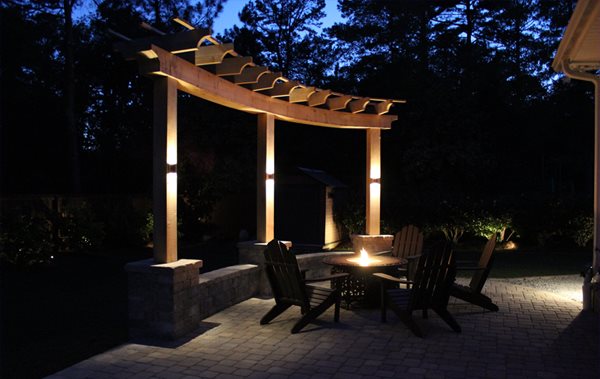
{"x":360,"y":287}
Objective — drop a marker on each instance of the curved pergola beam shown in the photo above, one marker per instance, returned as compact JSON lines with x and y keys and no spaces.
{"x":203,"y":84}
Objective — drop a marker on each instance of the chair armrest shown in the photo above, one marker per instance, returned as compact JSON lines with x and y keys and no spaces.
{"x":384,"y":252}
{"x":330,"y":277}
{"x":382,"y":277}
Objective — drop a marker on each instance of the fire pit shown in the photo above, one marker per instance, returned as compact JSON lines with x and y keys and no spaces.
{"x":360,"y":287}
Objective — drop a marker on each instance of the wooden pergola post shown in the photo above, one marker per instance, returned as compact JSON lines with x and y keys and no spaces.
{"x":165,"y":170}
{"x":265,"y":178}
{"x":373,"y":181}
{"x":596,"y":256}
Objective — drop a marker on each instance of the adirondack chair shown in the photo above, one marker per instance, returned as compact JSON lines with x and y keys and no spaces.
{"x":472,"y":292}
{"x":408,"y":244}
{"x":429,"y":290}
{"x":290,"y":288}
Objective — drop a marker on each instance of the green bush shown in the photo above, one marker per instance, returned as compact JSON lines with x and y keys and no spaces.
{"x":350,"y":215}
{"x":79,"y":229}
{"x":456,"y":218}
{"x":450,"y":218}
{"x":581,"y":229}
{"x":26,"y":239}
{"x":125,"y":220}
{"x":485,"y":225}
{"x":551,"y":221}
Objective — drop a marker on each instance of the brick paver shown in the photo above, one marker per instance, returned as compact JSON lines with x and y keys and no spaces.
{"x":535,"y":334}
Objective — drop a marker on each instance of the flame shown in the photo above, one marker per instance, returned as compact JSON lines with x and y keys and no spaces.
{"x":364,"y":259}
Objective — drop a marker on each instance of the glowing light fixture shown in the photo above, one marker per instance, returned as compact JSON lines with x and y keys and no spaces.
{"x":270,"y":166}
{"x":375,"y":172}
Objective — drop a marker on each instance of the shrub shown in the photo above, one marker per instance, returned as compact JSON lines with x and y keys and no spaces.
{"x":581,"y":229}
{"x":485,"y":225}
{"x":79,"y":230}
{"x":125,"y":220}
{"x":350,"y":215}
{"x":26,"y":239}
{"x":451,"y":218}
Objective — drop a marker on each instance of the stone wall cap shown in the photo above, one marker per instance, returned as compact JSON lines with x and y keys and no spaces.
{"x":180,"y":263}
{"x":371,"y":236}
{"x":149,"y":264}
{"x":227,"y":272}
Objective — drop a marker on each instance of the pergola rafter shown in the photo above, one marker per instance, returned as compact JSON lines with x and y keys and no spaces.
{"x":195,"y":62}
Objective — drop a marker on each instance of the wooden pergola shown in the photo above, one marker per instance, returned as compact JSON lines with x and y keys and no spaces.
{"x":578,"y":56}
{"x":196,"y":63}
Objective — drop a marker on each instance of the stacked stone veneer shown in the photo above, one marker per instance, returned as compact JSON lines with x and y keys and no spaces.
{"x":163,"y":298}
{"x":222,"y":288}
{"x":372,"y":243}
{"x":169,"y":300}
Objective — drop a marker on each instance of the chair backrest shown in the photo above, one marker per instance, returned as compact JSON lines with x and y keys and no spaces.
{"x":434,"y":275}
{"x":284,"y":275}
{"x":408,"y":241}
{"x":485,"y":265}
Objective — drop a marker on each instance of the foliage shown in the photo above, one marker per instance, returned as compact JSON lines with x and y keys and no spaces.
{"x":350,"y":216}
{"x":282,"y":33}
{"x":125,"y":220}
{"x":147,"y":229}
{"x":25,"y":239}
{"x":79,"y":229}
{"x":582,"y":229}
{"x":486,"y":224}
{"x":32,"y":231}
{"x":199,"y":13}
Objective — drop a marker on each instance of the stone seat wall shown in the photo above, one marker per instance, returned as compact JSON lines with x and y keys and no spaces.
{"x":225,"y":287}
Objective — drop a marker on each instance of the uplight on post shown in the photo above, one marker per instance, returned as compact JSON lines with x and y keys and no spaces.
{"x":375,"y":172}
{"x":171,"y":207}
{"x":270,"y":203}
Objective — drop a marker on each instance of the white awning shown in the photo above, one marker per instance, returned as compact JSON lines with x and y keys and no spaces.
{"x":580,"y":45}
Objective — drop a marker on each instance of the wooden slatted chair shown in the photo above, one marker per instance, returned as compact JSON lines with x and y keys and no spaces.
{"x":472,"y":292}
{"x":290,"y":288}
{"x":430,"y":288}
{"x":408,"y":244}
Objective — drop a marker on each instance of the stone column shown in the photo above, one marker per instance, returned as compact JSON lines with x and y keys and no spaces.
{"x":163,"y":298}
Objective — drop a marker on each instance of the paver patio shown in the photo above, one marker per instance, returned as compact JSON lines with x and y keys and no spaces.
{"x":535,"y":334}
